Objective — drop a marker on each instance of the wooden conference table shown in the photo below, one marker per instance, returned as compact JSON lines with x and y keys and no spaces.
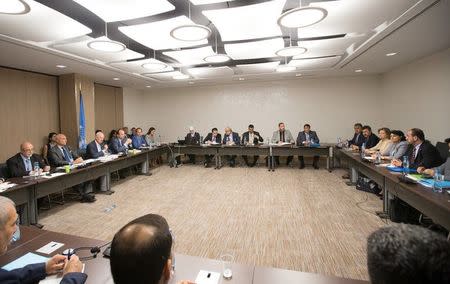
{"x":187,"y":267}
{"x":432,"y":204}
{"x":219,"y":151}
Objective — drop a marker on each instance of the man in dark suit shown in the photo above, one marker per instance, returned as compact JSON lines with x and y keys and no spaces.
{"x":192,"y":138}
{"x":120,"y":143}
{"x":95,"y":150}
{"x":231,"y":138}
{"x":211,"y":139}
{"x":306,"y":138}
{"x":421,"y":152}
{"x":358,"y":138}
{"x":251,"y":137}
{"x":370,"y":139}
{"x":62,"y":155}
{"x":33,"y":273}
{"x":23,"y":163}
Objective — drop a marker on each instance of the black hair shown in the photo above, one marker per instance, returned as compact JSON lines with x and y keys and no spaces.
{"x":419,"y":133}
{"x":280,"y":124}
{"x":447,"y":140}
{"x":309,"y":126}
{"x":400,"y":134}
{"x":150,"y":130}
{"x":358,"y":124}
{"x":112,"y":134}
{"x":214,"y":129}
{"x":367,"y":127}
{"x":408,"y":254}
{"x":50,"y":135}
{"x":140,"y":250}
{"x":251,"y":126}
{"x":98,"y":130}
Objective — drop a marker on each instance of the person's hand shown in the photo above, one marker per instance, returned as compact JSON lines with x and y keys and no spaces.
{"x":128,"y":141}
{"x":420,"y":170}
{"x":46,"y":168}
{"x":78,"y":160}
{"x":73,"y":265}
{"x":55,"y":264}
{"x":397,"y":163}
{"x":105,"y":147}
{"x":186,"y":282}
{"x":429,"y":172}
{"x":367,"y":151}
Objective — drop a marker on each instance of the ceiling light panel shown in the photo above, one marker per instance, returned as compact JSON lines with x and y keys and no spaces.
{"x":328,"y":47}
{"x":137,"y":66}
{"x":206,"y":2}
{"x":119,"y":10}
{"x":211,"y":72}
{"x":315,"y":63}
{"x":191,"y":56}
{"x":247,"y":22}
{"x":156,"y":35}
{"x":256,"y":49}
{"x":81,"y":48}
{"x":350,"y":16}
{"x":166,"y":76}
{"x":41,"y":24}
{"x":258,"y":68}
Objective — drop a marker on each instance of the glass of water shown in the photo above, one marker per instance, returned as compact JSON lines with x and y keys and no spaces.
{"x":437,"y":186}
{"x":227,"y":261}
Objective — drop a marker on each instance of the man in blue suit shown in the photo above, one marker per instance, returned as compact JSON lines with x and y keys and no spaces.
{"x":33,"y":273}
{"x":95,"y":150}
{"x":138,"y":140}
{"x":231,"y":138}
{"x":117,"y":145}
{"x":306,"y":138}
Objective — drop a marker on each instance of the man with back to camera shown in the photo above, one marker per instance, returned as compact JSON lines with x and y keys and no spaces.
{"x":251,"y":137}
{"x":212,"y":138}
{"x":141,"y":252}
{"x":306,"y":138}
{"x":33,"y":273}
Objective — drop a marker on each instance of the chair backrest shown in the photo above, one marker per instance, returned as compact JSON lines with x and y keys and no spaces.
{"x":4,"y":172}
{"x":442,"y":147}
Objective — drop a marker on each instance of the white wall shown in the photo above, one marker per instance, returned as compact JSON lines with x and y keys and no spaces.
{"x":330,"y":105}
{"x":418,"y":95}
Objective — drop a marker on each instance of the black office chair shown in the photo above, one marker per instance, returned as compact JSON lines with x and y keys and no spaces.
{"x":4,"y":172}
{"x":442,"y":147}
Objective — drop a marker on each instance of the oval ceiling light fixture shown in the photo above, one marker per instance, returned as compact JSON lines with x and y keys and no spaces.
{"x":154,"y":66}
{"x":301,"y":17}
{"x":181,"y":77}
{"x":107,"y":45}
{"x":218,"y":57}
{"x":286,"y":68}
{"x":14,"y":7}
{"x":191,"y":32}
{"x":291,"y":51}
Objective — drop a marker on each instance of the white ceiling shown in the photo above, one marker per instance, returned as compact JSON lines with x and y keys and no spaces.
{"x":373,"y":28}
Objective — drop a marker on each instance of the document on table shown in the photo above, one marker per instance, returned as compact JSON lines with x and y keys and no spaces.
{"x":207,"y":277}
{"x":6,"y":185}
{"x":50,"y":247}
{"x":53,"y":175}
{"x":54,"y":279}
{"x":29,"y":258}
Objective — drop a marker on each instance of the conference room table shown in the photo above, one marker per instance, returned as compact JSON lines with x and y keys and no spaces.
{"x":186,"y":267}
{"x":272,"y":150}
{"x":433,"y":204}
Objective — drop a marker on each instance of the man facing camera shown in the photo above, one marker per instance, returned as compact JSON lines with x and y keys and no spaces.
{"x":231,"y":138}
{"x":33,"y":273}
{"x":120,"y":143}
{"x":95,"y":150}
{"x":281,"y":136}
{"x":251,"y":137}
{"x":212,"y":138}
{"x":306,"y":138}
{"x":141,"y":252}
{"x":22,"y":164}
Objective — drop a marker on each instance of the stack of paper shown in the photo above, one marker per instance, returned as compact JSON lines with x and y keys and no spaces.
{"x":4,"y":186}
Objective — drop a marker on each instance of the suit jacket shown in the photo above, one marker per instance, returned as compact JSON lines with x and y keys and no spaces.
{"x":115,"y":147}
{"x":138,"y":141}
{"x":246,"y":135}
{"x":189,"y":140}
{"x":16,"y":166}
{"x":399,"y":149}
{"x":444,"y":169}
{"x":92,"y":151}
{"x":427,"y":156}
{"x":357,"y":140}
{"x":371,"y":141}
{"x":56,"y":157}
{"x":287,"y":137}
{"x":234,"y":136}
{"x":33,"y":273}
{"x":209,"y":138}
{"x":302,"y":137}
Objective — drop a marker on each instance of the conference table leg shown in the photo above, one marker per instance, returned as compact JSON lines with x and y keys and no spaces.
{"x":353,"y":175}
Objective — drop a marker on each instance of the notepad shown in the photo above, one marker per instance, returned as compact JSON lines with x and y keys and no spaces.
{"x":29,"y":258}
{"x":207,"y":277}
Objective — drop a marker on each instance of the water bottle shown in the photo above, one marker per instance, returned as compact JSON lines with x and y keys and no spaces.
{"x":405,"y":165}
{"x":363,"y":150}
{"x":159,"y":141}
{"x":339,"y":142}
{"x":36,"y":169}
{"x":173,"y":254}
{"x":201,"y":140}
{"x":437,"y":179}
{"x":378,"y":158}
{"x":268,"y":140}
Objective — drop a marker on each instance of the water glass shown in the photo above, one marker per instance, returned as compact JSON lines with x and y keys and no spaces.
{"x":227,"y":260}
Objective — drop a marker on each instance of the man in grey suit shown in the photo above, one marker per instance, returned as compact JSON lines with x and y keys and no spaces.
{"x":281,"y":136}
{"x":306,"y":138}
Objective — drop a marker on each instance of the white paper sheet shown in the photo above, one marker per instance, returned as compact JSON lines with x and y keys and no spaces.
{"x":50,"y":247}
{"x":207,"y":277}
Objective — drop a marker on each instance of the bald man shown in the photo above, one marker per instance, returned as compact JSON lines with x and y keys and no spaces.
{"x":95,"y":150}
{"x":141,"y":252}
{"x":33,"y":273}
{"x":23,"y":163}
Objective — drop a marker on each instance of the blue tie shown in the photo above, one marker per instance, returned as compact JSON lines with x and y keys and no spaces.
{"x":28,"y":165}
{"x":66,"y":155}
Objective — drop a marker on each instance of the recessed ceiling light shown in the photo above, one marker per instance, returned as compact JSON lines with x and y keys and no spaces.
{"x":191,"y":83}
{"x":241,"y":79}
{"x":181,"y":77}
{"x":358,"y":70}
{"x":302,"y":17}
{"x":286,"y":68}
{"x":14,"y":7}
{"x":190,"y":32}
{"x":217,"y":58}
{"x":291,"y":51}
{"x":61,"y":66}
{"x":148,"y":86}
{"x":154,"y":66}
{"x":107,"y":45}
{"x":298,"y":75}
{"x":116,"y":79}
{"x":391,"y":54}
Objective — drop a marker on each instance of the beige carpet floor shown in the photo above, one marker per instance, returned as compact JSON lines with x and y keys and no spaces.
{"x":305,"y":220}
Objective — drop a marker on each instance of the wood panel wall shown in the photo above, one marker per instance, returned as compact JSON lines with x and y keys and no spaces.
{"x":28,"y":110}
{"x":108,"y":108}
